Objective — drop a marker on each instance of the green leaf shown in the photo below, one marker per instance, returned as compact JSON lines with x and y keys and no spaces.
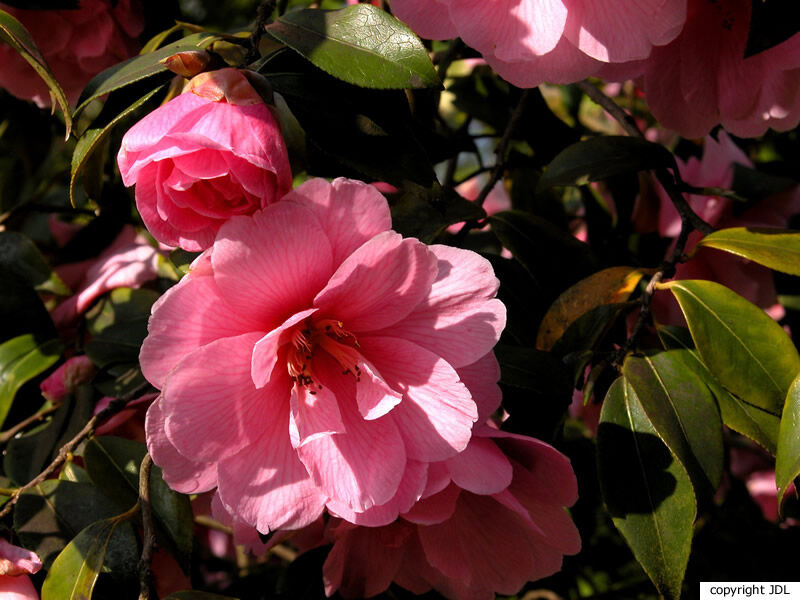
{"x":20,"y":256}
{"x":602,"y":157}
{"x":787,"y":460}
{"x":683,"y":412}
{"x":360,"y":44}
{"x":422,"y":213}
{"x":647,"y":491}
{"x":748,"y":352}
{"x":138,"y":68}
{"x":27,"y":455}
{"x":553,"y":257}
{"x":120,"y":326}
{"x":50,"y":514}
{"x":15,"y":35}
{"x":751,"y":421}
{"x":74,"y":572}
{"x":113,"y":464}
{"x":21,"y":359}
{"x":93,"y":138}
{"x":778,"y":249}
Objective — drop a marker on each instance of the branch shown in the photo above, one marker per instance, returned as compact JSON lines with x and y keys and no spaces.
{"x":67,"y":449}
{"x":262,"y":18}
{"x":500,"y":162}
{"x":148,"y":529}
{"x":9,"y":433}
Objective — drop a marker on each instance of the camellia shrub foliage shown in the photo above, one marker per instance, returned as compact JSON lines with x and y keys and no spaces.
{"x":397,"y":299}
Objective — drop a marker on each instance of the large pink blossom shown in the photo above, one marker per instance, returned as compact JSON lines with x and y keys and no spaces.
{"x":77,"y":45}
{"x":212,"y":153}
{"x":748,"y":279}
{"x":702,"y":78}
{"x":314,"y":357}
{"x":490,"y":519}
{"x":531,"y":41}
{"x":15,"y":565}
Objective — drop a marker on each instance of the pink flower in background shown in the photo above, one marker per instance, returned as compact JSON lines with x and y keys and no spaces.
{"x":127,"y":423}
{"x":129,"y":261}
{"x":529,"y":42}
{"x":313,"y":356}
{"x":77,"y":45}
{"x":752,"y":281}
{"x":15,"y":565}
{"x":213,"y":152}
{"x":497,"y":201}
{"x":702,"y":78}
{"x":490,"y":519}
{"x":67,"y":377}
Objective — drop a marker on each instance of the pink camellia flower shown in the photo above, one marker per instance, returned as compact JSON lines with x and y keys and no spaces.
{"x":129,"y":261}
{"x":703,"y":78}
{"x":314,"y":357}
{"x":67,"y":377}
{"x":212,"y":153}
{"x":15,"y":565}
{"x":750,"y":280}
{"x":490,"y":519}
{"x":529,"y":42}
{"x":77,"y":45}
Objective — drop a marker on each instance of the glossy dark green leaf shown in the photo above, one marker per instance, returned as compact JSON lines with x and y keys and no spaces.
{"x":751,"y":421}
{"x":52,"y":513}
{"x":755,"y":184}
{"x":787,"y":459}
{"x":138,"y":68}
{"x":646,"y":490}
{"x":551,"y":256}
{"x":120,"y":326}
{"x":113,"y":464}
{"x":75,"y":570}
{"x":15,"y":35}
{"x":777,"y":249}
{"x":21,"y":359}
{"x":748,"y":352}
{"x":93,"y":138}
{"x":20,"y":255}
{"x":72,"y":472}
{"x":682,"y":410}
{"x":422,"y":213}
{"x":360,"y":44}
{"x":27,"y":455}
{"x":602,"y":157}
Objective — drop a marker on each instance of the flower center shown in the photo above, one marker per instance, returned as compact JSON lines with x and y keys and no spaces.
{"x":328,"y":335}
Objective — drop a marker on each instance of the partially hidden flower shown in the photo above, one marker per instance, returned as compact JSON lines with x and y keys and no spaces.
{"x":750,"y":280}
{"x":15,"y":565}
{"x":703,"y":78}
{"x":529,"y":42}
{"x":490,"y":519}
{"x":209,"y":154}
{"x":66,"y":378}
{"x":77,"y":45}
{"x":129,"y":261}
{"x":314,"y":357}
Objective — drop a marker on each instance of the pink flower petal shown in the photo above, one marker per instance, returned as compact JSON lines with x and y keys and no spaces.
{"x":226,"y":408}
{"x":379,"y":283}
{"x":266,"y":485}
{"x":265,"y":352}
{"x":481,"y":468}
{"x":17,"y":588}
{"x":481,"y":379}
{"x":17,"y":561}
{"x":437,"y":412}
{"x":436,"y":508}
{"x":314,"y":413}
{"x":460,"y":320}
{"x":351,"y":212}
{"x":429,"y":20}
{"x":374,"y":396}
{"x":287,"y":258}
{"x":195,"y":303}
{"x":180,"y":473}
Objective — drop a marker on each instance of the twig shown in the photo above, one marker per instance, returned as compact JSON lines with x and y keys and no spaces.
{"x":500,"y":162}
{"x":9,"y":433}
{"x":262,"y":18}
{"x":66,"y":450}
{"x":668,"y":181}
{"x":148,"y":529}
